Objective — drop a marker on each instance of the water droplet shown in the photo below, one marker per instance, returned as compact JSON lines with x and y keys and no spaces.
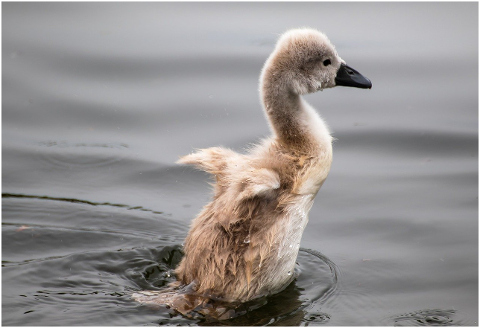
{"x":289,"y":273}
{"x":291,"y":246}
{"x":247,"y":240}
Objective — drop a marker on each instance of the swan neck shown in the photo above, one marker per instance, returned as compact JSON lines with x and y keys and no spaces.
{"x":292,"y":121}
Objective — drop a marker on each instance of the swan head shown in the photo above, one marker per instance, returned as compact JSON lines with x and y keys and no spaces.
{"x":306,"y":61}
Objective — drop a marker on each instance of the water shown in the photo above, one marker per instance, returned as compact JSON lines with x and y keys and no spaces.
{"x":100,"y":100}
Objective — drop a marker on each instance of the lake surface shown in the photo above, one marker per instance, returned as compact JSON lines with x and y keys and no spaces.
{"x":101,"y":99}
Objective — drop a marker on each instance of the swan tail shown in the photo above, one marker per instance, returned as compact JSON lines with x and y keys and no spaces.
{"x":187,"y":305}
{"x":154,"y":297}
{"x":230,"y":170}
{"x":212,"y":160}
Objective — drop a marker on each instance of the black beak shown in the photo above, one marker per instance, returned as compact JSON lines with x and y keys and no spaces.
{"x":348,"y":77}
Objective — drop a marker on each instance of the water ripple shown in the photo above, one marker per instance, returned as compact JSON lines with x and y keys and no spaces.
{"x":79,"y":201}
{"x":433,"y":317}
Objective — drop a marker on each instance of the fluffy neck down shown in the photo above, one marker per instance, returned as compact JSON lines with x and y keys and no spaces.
{"x":244,"y":243}
{"x":293,"y":122}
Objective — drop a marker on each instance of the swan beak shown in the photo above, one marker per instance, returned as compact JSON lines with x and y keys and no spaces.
{"x":348,"y":77}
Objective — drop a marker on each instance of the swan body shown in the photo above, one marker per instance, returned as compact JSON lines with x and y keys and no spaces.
{"x":244,"y":243}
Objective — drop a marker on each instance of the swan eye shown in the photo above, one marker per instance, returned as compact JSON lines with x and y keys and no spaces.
{"x":326,"y":62}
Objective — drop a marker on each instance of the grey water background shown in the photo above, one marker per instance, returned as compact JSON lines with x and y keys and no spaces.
{"x":100,"y":99}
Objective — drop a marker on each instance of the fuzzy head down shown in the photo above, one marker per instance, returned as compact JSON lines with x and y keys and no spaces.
{"x":306,"y":59}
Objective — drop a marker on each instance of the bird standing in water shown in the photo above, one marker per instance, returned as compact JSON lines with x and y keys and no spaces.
{"x":244,"y":243}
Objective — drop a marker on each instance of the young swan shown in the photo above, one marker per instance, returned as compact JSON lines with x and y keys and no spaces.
{"x":245,"y":242}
